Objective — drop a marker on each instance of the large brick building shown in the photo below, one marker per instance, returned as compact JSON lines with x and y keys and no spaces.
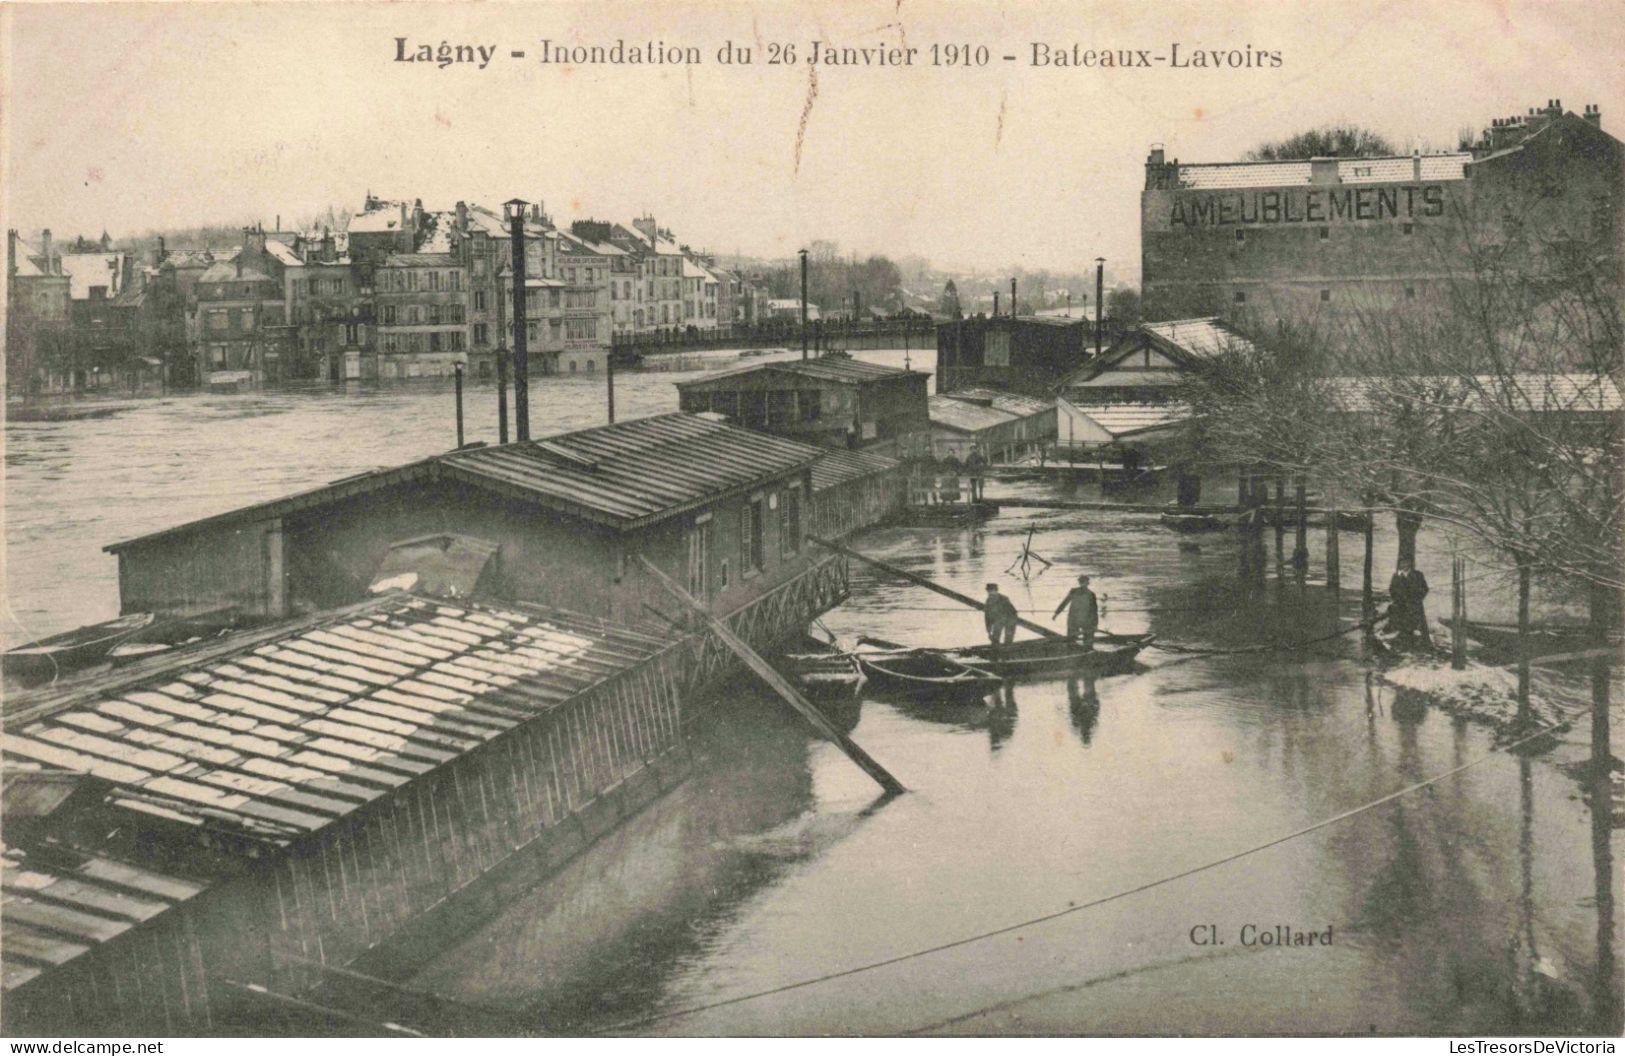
{"x":1324,"y":239}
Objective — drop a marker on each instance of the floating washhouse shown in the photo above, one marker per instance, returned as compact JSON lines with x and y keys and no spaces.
{"x":450,"y":678}
{"x":1128,"y":397}
{"x":833,"y":401}
{"x":721,"y":509}
{"x":198,"y":841}
{"x":1026,"y":354}
{"x":1000,"y":426}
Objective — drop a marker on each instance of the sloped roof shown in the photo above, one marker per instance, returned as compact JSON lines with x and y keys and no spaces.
{"x":949,"y":413}
{"x":385,"y":218}
{"x":1016,"y":403}
{"x":626,"y":475}
{"x":92,"y":269}
{"x":420,"y":260}
{"x":639,"y":471}
{"x":837,"y":368}
{"x":283,"y":253}
{"x":226,"y":271}
{"x":1199,"y":338}
{"x":1391,"y":169}
{"x":1127,"y":419}
{"x":834,"y":468}
{"x":276,"y":734}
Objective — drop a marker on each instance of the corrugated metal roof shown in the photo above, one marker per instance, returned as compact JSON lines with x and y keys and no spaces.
{"x":277,"y":734}
{"x":949,"y":413}
{"x":625,"y":475}
{"x":842,"y":369}
{"x":838,"y":467}
{"x":1016,"y":403}
{"x":1397,"y":169}
{"x":1124,"y":419}
{"x":638,"y":471}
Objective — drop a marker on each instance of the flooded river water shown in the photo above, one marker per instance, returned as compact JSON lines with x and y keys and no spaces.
{"x":1466,"y":907}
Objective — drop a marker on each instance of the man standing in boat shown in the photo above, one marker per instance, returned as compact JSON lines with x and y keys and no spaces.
{"x":1001,"y":617}
{"x":1083,"y":614}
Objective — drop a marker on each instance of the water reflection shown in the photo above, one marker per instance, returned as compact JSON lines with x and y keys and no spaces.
{"x":1083,"y":704}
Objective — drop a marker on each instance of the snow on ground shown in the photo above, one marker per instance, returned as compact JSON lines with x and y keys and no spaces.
{"x":1483,"y":694}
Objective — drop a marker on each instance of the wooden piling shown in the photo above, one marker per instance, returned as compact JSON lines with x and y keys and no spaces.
{"x":1300,"y":538}
{"x":1368,"y":599}
{"x":1334,"y":551}
{"x":776,"y":681}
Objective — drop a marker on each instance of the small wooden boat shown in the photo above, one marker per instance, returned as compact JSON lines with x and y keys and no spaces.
{"x":72,"y":650}
{"x":1501,"y":640}
{"x":925,"y":675}
{"x":1052,"y":656}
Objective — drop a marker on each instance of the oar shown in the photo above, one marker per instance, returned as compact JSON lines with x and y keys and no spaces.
{"x":963,"y":599}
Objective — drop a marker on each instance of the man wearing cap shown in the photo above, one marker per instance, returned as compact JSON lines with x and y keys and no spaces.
{"x":1001,"y":617}
{"x":1083,"y":614}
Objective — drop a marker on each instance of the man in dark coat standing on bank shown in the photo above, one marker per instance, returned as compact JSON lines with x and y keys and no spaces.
{"x":1001,"y":617}
{"x":1083,"y":615}
{"x":1407,"y":616}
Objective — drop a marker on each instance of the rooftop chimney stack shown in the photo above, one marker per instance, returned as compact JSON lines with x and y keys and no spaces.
{"x":45,"y":248}
{"x":1593,"y":114}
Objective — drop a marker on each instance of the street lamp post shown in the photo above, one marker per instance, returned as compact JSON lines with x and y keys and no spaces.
{"x":514,"y":210}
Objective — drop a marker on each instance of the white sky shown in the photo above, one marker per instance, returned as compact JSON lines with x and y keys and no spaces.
{"x":131,"y":116}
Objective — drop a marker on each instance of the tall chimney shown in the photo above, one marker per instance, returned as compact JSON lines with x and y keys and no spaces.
{"x":11,"y":251}
{"x":1012,"y":298}
{"x":995,"y":304}
{"x":45,"y":248}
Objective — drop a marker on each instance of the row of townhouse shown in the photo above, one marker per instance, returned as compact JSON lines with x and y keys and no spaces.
{"x":401,"y":292}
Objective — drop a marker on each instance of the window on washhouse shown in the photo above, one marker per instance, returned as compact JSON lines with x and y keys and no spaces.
{"x":750,"y":537}
{"x":790,"y":521}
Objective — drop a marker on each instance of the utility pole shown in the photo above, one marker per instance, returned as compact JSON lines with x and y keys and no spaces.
{"x":1100,"y":300}
{"x":1012,"y":297}
{"x":521,"y":360}
{"x":804,"y":304}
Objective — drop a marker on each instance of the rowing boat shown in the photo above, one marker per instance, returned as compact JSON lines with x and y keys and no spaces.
{"x":72,"y":650}
{"x":1501,"y":640}
{"x":1051,"y":656}
{"x":925,"y":674}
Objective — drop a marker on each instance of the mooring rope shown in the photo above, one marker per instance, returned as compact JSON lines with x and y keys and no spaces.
{"x":1080,"y":907}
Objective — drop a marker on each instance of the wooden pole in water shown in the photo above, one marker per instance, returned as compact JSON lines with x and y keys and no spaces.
{"x":1368,"y":598}
{"x":1300,"y":538}
{"x":1334,"y":551}
{"x":776,"y":681}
